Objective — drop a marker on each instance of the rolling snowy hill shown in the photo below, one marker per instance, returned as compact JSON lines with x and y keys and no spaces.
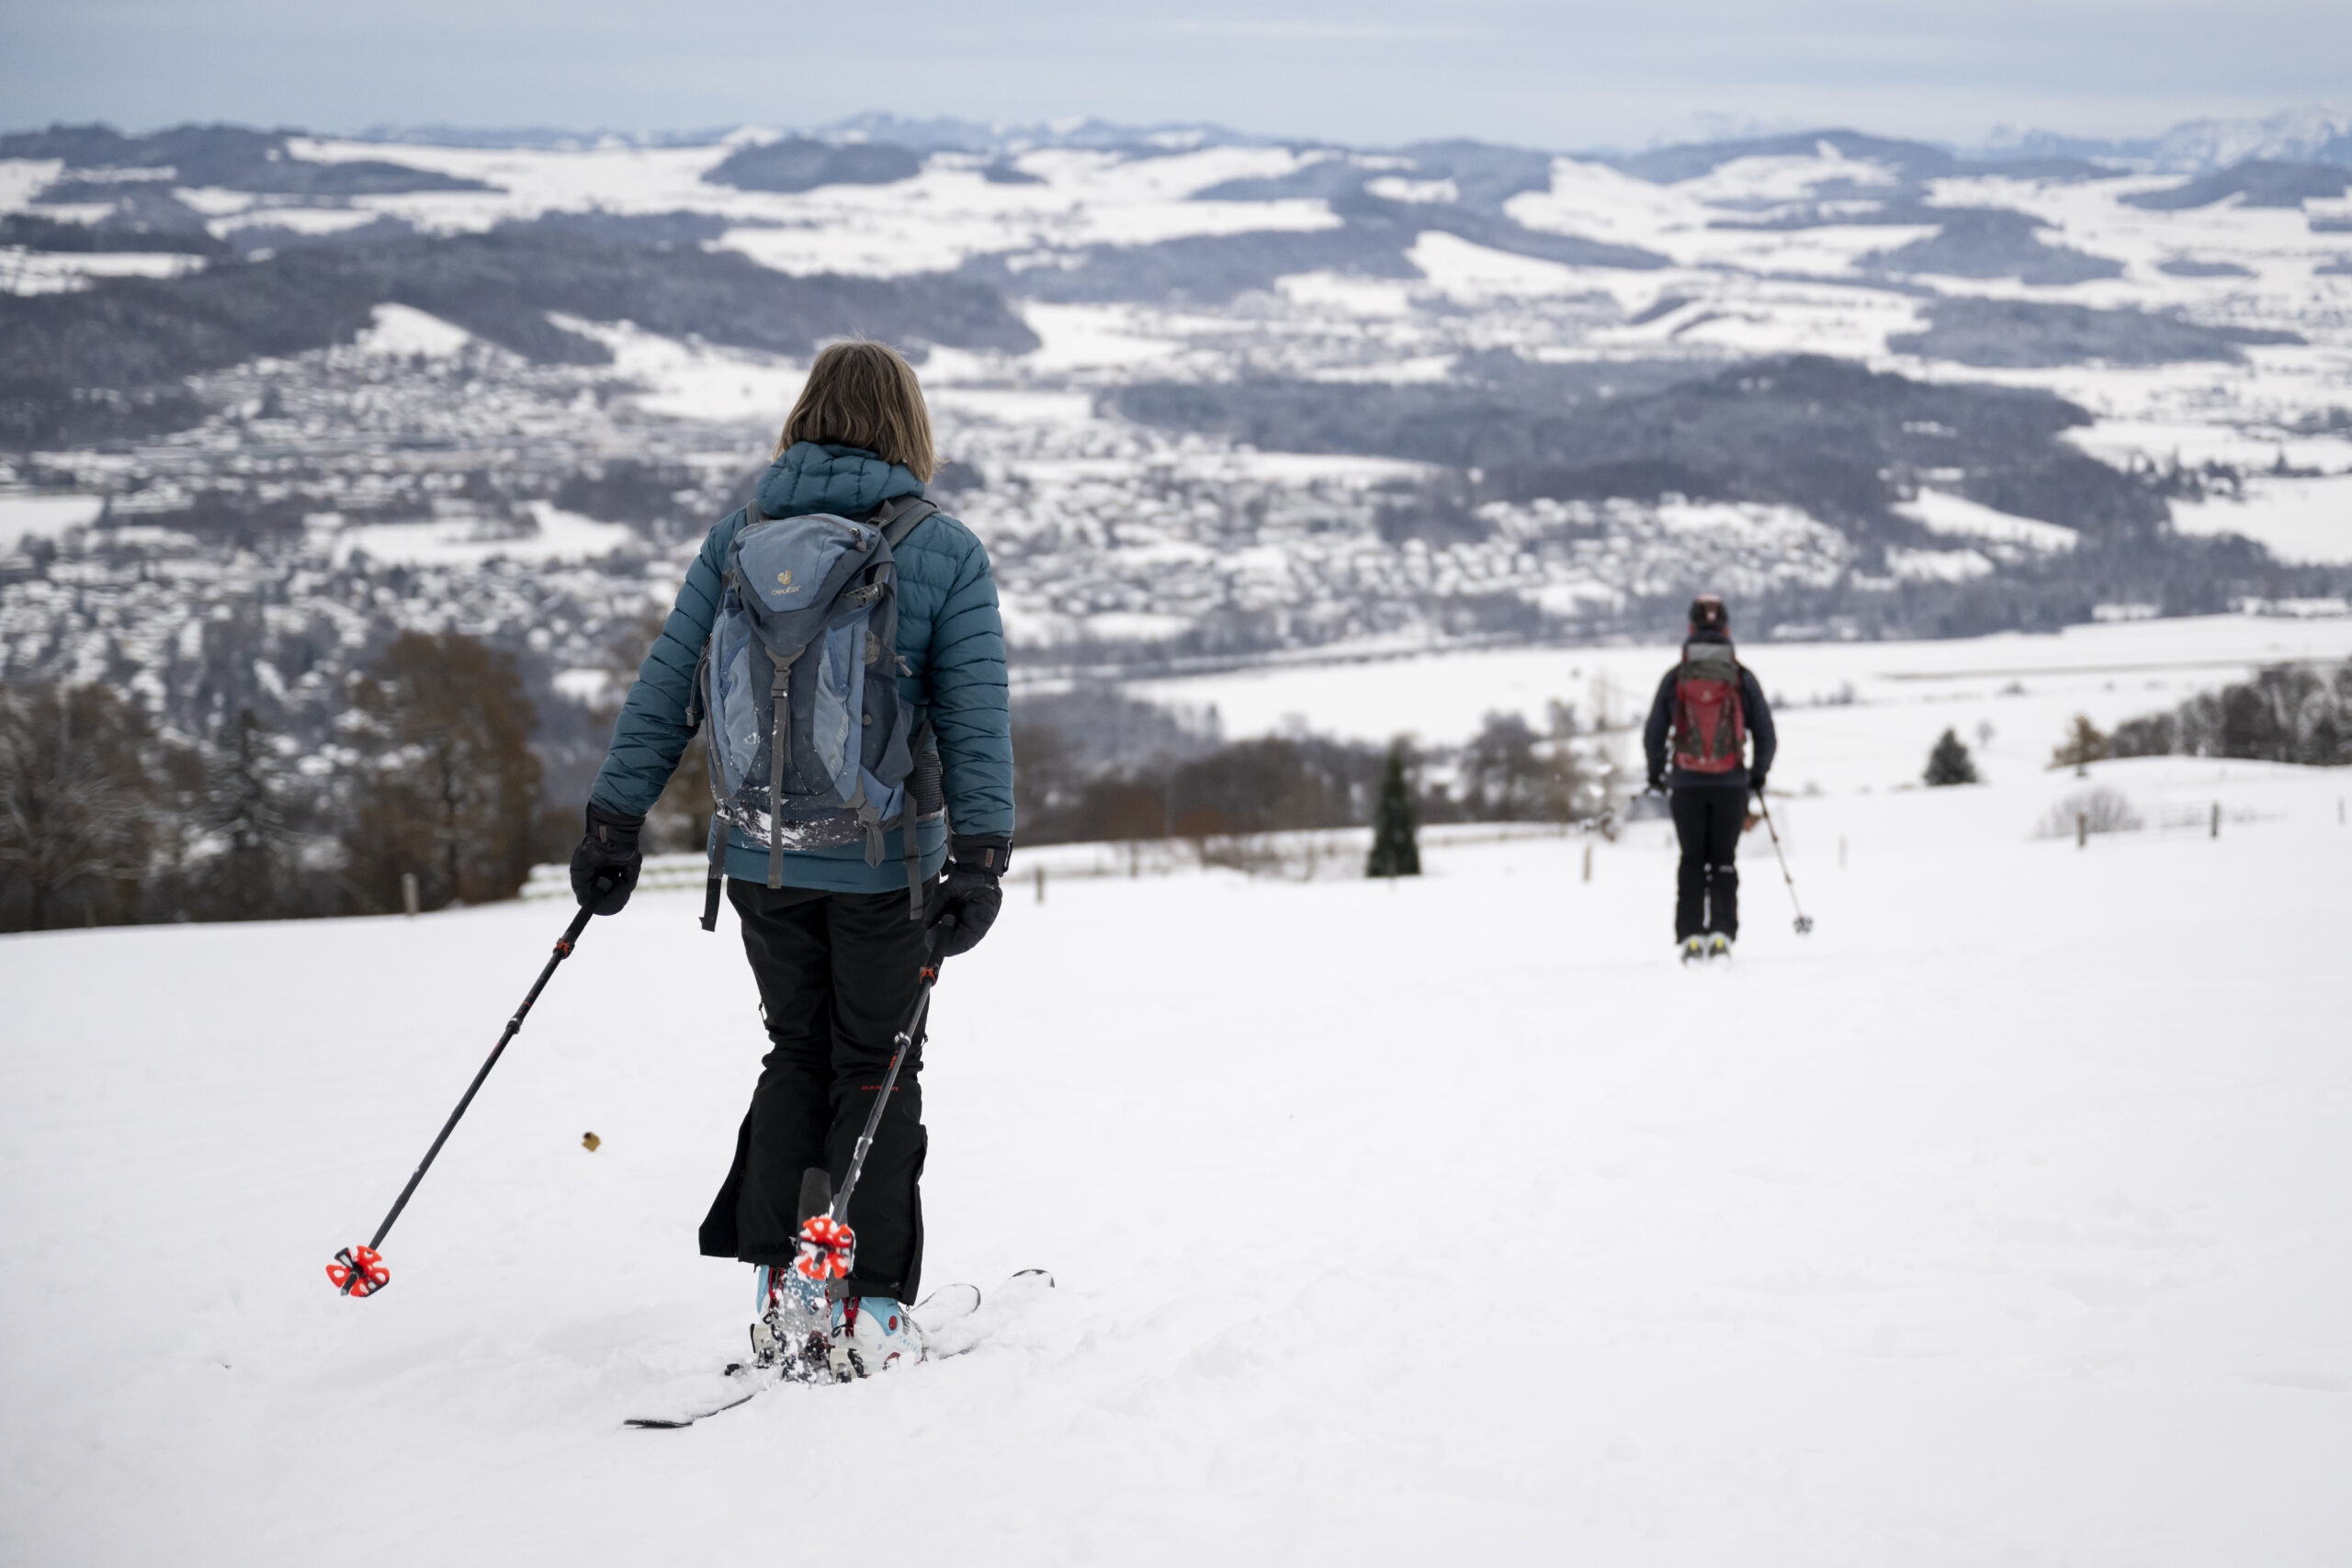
{"x":2002,"y":1218}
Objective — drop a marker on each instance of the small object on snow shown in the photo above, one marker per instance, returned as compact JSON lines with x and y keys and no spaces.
{"x":590,"y":1142}
{"x":359,"y":1271}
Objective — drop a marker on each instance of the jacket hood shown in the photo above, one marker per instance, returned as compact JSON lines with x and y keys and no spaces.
{"x":845,"y":481}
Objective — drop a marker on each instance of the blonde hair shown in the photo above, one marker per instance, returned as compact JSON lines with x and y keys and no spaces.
{"x":864,"y":394}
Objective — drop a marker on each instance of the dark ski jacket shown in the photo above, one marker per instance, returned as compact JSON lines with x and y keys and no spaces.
{"x":949,"y":635}
{"x":1655,"y":734}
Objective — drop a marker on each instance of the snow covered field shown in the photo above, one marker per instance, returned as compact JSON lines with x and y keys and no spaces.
{"x":2005,"y":1218}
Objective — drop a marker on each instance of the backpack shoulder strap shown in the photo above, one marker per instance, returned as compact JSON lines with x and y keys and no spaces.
{"x":898,"y":518}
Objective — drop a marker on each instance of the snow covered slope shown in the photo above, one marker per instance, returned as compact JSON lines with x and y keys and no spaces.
{"x":2004,"y":1218}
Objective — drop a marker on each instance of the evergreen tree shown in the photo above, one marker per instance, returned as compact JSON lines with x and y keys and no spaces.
{"x":245,"y":807}
{"x":1394,"y":852}
{"x":1949,"y":762}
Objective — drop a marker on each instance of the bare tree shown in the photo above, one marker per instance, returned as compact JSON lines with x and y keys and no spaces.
{"x":77,"y":802}
{"x":451,"y":790}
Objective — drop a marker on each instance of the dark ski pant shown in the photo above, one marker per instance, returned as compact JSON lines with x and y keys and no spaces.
{"x":1709,"y":821}
{"x":838,"y":973}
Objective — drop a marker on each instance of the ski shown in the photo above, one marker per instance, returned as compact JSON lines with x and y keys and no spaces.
{"x":961,"y":1335}
{"x":956,"y":1320}
{"x":761,"y":1382}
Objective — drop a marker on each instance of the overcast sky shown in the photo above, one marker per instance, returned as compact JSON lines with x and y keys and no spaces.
{"x":1624,"y":74}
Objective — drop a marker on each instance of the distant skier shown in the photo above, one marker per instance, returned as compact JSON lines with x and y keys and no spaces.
{"x":1708,"y":706}
{"x":840,"y":911}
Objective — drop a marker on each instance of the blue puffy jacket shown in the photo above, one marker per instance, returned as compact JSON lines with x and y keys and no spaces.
{"x":949,"y":635}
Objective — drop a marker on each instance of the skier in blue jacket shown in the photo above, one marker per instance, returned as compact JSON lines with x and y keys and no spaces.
{"x":836,"y":958}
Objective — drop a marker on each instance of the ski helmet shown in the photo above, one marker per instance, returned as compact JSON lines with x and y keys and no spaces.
{"x":1708,"y":614}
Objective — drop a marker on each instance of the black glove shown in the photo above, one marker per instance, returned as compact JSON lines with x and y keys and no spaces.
{"x":1755,"y":782}
{"x":964,"y":904}
{"x":1657,"y":784}
{"x":604,"y":866}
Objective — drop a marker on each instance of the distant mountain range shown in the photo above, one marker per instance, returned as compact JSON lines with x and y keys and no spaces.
{"x":2309,"y":135}
{"x":2312,"y":134}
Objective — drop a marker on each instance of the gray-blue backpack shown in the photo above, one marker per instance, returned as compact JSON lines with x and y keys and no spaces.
{"x":809,"y":744}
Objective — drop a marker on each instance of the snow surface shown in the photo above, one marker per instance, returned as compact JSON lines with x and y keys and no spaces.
{"x":1940,"y":512}
{"x":2005,"y":1218}
{"x":24,"y":516}
{"x":555,"y":534}
{"x":2298,"y":519}
{"x":404,"y":330}
{"x":63,"y":272}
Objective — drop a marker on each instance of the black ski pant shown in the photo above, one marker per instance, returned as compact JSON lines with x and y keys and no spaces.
{"x":838,"y":973}
{"x":1709,"y":821}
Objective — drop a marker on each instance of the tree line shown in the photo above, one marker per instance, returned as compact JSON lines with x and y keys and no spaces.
{"x":2288,"y":713}
{"x":1160,"y":780}
{"x":107,"y":819}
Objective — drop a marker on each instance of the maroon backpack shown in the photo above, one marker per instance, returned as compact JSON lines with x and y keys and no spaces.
{"x":1710,"y":720}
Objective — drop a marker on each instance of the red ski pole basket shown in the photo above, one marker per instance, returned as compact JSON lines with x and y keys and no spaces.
{"x":359,"y":1271}
{"x":828,"y":1248}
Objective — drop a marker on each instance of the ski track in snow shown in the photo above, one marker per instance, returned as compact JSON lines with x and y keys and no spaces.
{"x":2004,"y":1218}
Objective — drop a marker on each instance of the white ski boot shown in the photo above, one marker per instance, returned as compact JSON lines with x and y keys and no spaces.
{"x":791,"y":1315}
{"x":1719,"y":946}
{"x":870,"y":1334}
{"x":1693,"y":948}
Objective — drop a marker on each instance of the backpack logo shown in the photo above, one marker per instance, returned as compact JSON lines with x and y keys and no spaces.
{"x":784,"y":581}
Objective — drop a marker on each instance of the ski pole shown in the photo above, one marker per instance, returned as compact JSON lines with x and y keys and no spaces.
{"x":827,"y":1245}
{"x":1805,"y":921}
{"x":361,"y":1270}
{"x":904,"y":1043}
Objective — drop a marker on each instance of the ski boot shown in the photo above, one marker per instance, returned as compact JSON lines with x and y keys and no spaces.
{"x":1693,"y":948}
{"x":870,"y":1334}
{"x":1718,"y":946}
{"x":791,"y":1315}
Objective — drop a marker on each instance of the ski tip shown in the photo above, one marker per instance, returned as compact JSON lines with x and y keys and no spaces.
{"x":655,"y":1423}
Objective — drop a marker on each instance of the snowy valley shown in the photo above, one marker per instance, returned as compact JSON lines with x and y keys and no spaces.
{"x":1207,"y":398}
